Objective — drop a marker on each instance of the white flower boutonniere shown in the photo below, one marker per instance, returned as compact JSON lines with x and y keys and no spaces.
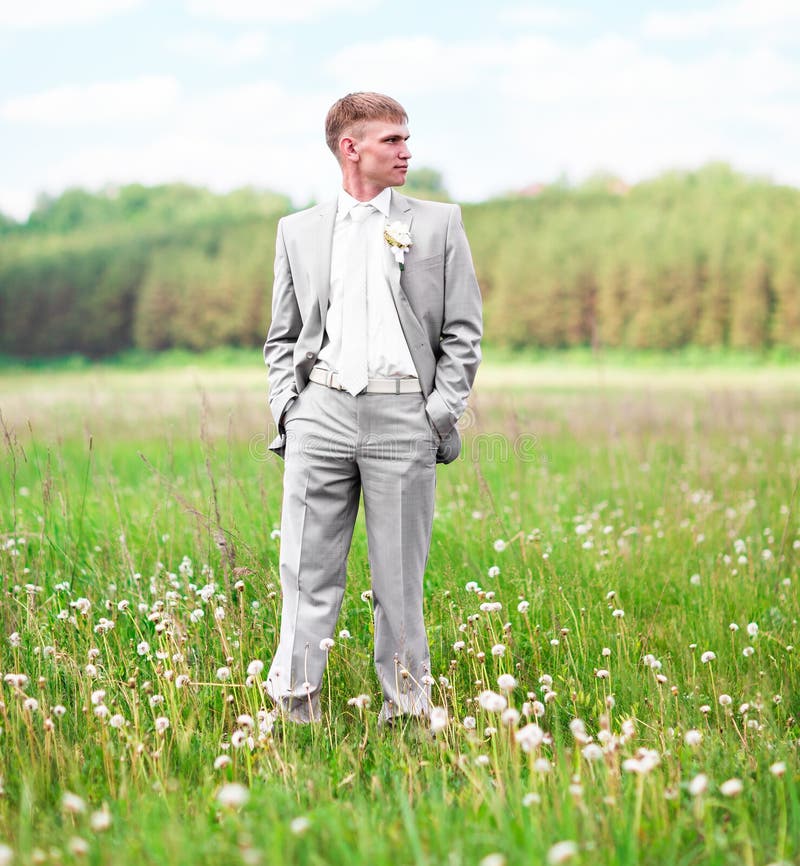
{"x":398,"y":236}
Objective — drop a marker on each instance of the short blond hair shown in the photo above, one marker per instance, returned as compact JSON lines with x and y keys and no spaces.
{"x":355,"y":109}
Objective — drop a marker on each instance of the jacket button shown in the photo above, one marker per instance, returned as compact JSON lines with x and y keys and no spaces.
{"x":310,"y":356}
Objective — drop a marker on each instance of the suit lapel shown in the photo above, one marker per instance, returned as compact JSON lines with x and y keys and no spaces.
{"x":321,"y":242}
{"x":399,"y":210}
{"x":416,"y":338}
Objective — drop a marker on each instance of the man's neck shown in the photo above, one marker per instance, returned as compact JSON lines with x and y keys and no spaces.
{"x":362,"y":191}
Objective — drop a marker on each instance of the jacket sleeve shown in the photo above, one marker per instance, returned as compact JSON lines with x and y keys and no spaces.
{"x":283,"y":333}
{"x":462,"y":328}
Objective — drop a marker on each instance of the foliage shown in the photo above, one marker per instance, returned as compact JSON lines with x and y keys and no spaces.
{"x":706,"y":258}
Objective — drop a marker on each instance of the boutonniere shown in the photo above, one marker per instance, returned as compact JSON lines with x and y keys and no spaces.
{"x":398,"y":236}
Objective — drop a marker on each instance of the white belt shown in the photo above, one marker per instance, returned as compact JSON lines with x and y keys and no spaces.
{"x":374,"y":386}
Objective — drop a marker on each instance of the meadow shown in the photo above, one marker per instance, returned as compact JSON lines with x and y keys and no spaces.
{"x":612,"y":608}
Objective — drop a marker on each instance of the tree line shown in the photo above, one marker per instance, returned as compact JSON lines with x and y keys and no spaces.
{"x":708,"y":258}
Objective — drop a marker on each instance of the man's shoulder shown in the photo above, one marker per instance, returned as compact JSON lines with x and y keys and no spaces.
{"x":300,"y":218}
{"x":439,"y":208}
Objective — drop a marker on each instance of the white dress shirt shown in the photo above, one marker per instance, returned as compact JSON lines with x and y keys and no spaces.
{"x":387,"y":351}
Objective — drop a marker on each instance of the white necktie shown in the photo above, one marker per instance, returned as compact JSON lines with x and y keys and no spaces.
{"x":353,"y":363}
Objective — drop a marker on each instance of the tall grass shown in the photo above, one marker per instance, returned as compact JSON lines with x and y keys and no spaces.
{"x":593,"y":545}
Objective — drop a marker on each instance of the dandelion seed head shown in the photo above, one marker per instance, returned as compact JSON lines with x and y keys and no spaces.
{"x":78,"y":846}
{"x":506,"y":682}
{"x":100,"y":820}
{"x":72,"y":804}
{"x":693,"y":737}
{"x":233,"y":796}
{"x":492,"y":702}
{"x":731,"y":788}
{"x":255,"y":667}
{"x":562,"y":852}
{"x":438,"y":719}
{"x":299,"y":825}
{"x":698,"y":785}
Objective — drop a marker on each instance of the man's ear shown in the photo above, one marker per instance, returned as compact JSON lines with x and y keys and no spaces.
{"x":348,"y":149}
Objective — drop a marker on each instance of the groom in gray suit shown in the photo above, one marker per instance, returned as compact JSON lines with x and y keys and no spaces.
{"x":372,"y":352}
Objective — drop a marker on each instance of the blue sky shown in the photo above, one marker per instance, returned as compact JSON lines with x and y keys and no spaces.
{"x":227,"y":93}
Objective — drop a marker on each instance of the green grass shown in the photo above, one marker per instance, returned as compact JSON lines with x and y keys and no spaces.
{"x":687,"y":358}
{"x":141,"y":487}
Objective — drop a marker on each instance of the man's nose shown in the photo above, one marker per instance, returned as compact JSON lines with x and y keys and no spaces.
{"x":405,"y":153}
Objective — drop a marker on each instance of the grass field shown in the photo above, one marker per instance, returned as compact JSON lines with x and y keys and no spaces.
{"x":623,"y":544}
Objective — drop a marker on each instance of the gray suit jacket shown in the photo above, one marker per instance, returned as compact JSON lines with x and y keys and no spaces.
{"x":436,"y":296}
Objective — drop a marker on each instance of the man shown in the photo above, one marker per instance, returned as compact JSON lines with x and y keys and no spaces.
{"x":372,"y":351}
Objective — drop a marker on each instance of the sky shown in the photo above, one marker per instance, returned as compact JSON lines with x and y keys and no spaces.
{"x":500,"y":94}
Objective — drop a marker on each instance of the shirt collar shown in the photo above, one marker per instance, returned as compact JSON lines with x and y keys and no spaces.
{"x":381,"y":202}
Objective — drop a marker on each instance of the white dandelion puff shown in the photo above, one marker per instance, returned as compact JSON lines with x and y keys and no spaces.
{"x":299,"y":825}
{"x":506,"y":682}
{"x":438,"y":719}
{"x":693,"y":737}
{"x":561,"y":852}
{"x":232,"y":796}
{"x":698,"y":785}
{"x":72,"y":804}
{"x":731,"y":788}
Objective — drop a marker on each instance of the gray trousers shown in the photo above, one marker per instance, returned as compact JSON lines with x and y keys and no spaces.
{"x":338,"y":447}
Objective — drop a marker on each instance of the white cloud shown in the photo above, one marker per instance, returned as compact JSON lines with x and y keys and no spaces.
{"x":548,"y":107}
{"x":32,"y":14}
{"x":540,"y":16}
{"x":763,"y":17}
{"x":17,"y":203}
{"x":255,"y":134}
{"x":211,"y":48}
{"x":419,"y":64}
{"x":149,"y":96}
{"x":274,"y":10}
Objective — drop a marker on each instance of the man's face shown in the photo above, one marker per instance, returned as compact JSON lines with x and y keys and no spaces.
{"x":382,"y":152}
